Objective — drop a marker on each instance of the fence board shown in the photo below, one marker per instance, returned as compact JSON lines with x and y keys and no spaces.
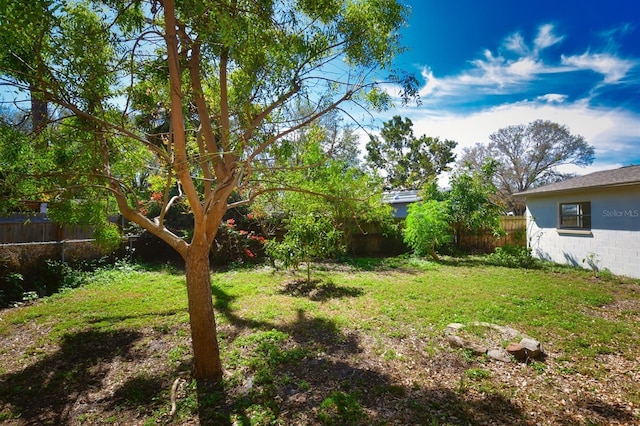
{"x":24,"y":229}
{"x":484,"y":241}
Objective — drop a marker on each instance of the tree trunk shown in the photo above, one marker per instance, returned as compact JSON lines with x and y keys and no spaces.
{"x":434,"y":255}
{"x":204,"y":336}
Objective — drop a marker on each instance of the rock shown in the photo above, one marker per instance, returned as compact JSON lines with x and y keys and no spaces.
{"x":532,"y":347}
{"x":477,"y":349}
{"x":459,"y":342}
{"x":518,"y":351}
{"x":509,"y":333}
{"x":528,"y":349}
{"x":485,"y":324}
{"x":455,"y":341}
{"x":453,"y":328}
{"x":498,"y":355}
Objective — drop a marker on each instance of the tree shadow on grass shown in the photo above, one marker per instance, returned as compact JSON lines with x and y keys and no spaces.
{"x":605,"y":412}
{"x":318,"y":290}
{"x":308,"y":371}
{"x":311,"y":372}
{"x":319,"y":375}
{"x":46,"y":392}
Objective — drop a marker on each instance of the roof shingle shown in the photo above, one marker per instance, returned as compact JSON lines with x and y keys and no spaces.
{"x":628,"y":175}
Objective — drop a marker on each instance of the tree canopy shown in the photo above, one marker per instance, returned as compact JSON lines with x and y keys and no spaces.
{"x":527,"y":156}
{"x":407,"y":161}
{"x":187,"y":102}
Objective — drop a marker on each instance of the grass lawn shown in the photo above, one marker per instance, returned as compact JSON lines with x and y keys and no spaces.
{"x":362,"y":344}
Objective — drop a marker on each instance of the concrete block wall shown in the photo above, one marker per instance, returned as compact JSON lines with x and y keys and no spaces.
{"x":613,"y":242}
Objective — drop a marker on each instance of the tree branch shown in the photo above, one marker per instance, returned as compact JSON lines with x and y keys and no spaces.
{"x":181,"y":163}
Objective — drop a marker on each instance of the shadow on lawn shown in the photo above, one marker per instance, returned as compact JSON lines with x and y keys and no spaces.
{"x":318,"y":290}
{"x":45,"y":392}
{"x":306,"y":372}
{"x":319,"y":375}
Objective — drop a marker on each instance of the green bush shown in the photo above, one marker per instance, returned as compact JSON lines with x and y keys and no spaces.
{"x":427,"y":227}
{"x":309,"y":237}
{"x":47,"y":278}
{"x":513,"y":257}
{"x":11,"y":287}
{"x":55,"y":275}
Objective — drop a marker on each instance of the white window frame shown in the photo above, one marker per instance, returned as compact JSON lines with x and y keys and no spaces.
{"x":578,"y":222}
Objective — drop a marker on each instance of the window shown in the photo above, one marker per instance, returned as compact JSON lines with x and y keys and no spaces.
{"x":575,"y":215}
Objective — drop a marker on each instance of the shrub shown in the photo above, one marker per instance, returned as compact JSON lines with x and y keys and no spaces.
{"x":427,"y":226}
{"x":45,"y":279}
{"x":11,"y":287}
{"x":513,"y":257}
{"x":308,"y":237}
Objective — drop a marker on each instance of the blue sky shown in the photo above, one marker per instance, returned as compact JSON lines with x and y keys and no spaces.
{"x":489,"y":64}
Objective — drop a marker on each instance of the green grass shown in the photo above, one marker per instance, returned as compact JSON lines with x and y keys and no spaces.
{"x":114,"y":300}
{"x":269,"y":331}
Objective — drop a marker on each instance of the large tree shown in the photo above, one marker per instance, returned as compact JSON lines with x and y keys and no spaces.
{"x":407,"y":161}
{"x":216,"y":82}
{"x":527,"y":156}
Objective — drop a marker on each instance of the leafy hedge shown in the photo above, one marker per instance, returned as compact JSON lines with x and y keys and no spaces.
{"x":513,"y":257}
{"x":49,"y":277}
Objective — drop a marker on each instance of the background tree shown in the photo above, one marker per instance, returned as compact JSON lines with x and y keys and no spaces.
{"x":408,"y":162}
{"x":528,"y":156}
{"x":22,"y":61}
{"x":225,"y":73}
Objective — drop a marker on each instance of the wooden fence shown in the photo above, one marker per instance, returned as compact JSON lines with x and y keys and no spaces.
{"x":515,"y":228}
{"x":37,"y":228}
{"x":373,"y":243}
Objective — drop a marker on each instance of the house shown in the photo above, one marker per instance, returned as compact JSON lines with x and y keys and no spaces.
{"x":592,"y":221}
{"x":400,"y":200}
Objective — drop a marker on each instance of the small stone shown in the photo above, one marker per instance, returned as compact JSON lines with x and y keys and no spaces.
{"x":453,"y":328}
{"x":498,"y":355}
{"x":509,"y":333}
{"x":477,"y":349}
{"x":455,"y":341}
{"x":532,"y":347}
{"x":518,"y":351}
{"x":458,"y":342}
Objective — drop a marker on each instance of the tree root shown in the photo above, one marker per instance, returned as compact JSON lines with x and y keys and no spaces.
{"x":174,"y":388}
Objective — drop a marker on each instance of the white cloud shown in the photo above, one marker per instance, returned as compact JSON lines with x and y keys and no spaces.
{"x":552,"y":98}
{"x":611,"y":132}
{"x":432,"y":83}
{"x":612,"y":68}
{"x":518,"y":68}
{"x":498,"y":73}
{"x":515,"y":43}
{"x":611,"y":36}
{"x":525,"y":67}
{"x":546,"y":38}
